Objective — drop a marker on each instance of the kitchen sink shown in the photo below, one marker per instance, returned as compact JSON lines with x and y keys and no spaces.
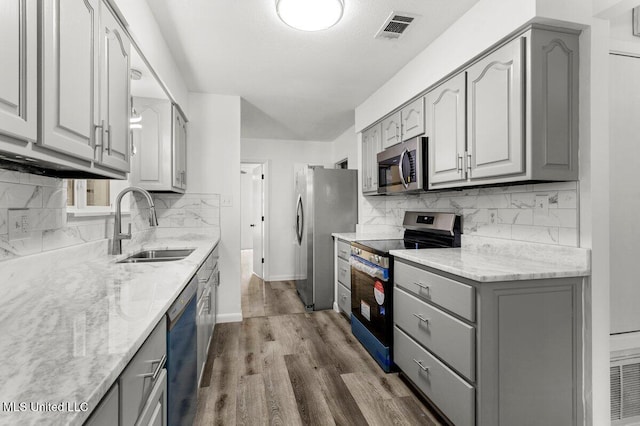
{"x":160,"y":255}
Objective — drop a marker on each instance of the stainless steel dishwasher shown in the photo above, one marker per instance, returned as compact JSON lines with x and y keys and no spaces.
{"x":182,"y":374}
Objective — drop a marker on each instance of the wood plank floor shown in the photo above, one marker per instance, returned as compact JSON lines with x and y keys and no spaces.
{"x":282,"y":366}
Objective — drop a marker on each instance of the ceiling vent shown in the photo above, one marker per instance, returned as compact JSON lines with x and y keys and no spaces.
{"x":396,"y":25}
{"x":625,"y":391}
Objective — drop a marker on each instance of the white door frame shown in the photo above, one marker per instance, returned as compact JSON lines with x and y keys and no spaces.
{"x":266,"y":196}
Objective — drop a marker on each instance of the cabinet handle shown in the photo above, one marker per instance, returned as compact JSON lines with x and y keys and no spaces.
{"x":183,"y":177}
{"x":422,"y":366}
{"x":158,"y":369}
{"x":460,"y":163}
{"x":96,"y":127}
{"x":109,"y":139}
{"x":468,"y":165}
{"x":424,"y":287}
{"x":421,"y":318}
{"x":343,"y":252}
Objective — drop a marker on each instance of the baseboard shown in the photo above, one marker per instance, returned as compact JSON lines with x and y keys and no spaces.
{"x":283,"y":278}
{"x":234,"y":317}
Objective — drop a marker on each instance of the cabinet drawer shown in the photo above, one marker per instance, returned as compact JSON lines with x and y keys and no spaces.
{"x":454,"y":396}
{"x":344,"y":250}
{"x":344,"y":273}
{"x":449,"y":338}
{"x":136,"y":381}
{"x":452,"y":295}
{"x":344,"y":300}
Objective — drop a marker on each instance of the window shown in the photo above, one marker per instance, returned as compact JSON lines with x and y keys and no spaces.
{"x":95,"y":195}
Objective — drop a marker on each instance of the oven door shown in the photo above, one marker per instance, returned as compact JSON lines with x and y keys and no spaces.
{"x":371,"y":303}
{"x":401,"y":167}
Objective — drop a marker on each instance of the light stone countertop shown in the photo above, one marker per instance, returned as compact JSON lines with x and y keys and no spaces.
{"x":367,"y":236}
{"x":493,"y":260}
{"x":72,"y":319}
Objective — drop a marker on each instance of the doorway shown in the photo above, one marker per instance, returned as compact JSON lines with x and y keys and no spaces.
{"x":253,"y":220}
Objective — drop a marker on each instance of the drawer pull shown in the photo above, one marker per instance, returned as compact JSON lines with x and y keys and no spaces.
{"x":424,"y":287}
{"x":343,"y":253}
{"x":421,"y":365}
{"x":421,"y":318}
{"x":155,"y":374}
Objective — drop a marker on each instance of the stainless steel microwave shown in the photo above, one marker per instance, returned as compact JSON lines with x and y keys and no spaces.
{"x":403,"y":167}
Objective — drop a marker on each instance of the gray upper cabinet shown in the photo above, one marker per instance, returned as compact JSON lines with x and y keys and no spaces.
{"x":179,"y":165}
{"x":412,"y":119}
{"x":391,"y":130}
{"x":69,"y":76}
{"x":519,"y":105}
{"x":404,"y":124}
{"x":495,"y":113}
{"x":445,"y":116}
{"x":18,"y":74}
{"x":371,"y":145}
{"x":84,"y":89}
{"x":114,"y":93}
{"x":154,"y":165}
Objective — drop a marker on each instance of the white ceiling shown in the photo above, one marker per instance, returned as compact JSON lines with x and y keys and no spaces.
{"x":294,"y":84}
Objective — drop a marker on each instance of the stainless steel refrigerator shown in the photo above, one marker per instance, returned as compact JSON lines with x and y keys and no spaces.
{"x":327,"y":201}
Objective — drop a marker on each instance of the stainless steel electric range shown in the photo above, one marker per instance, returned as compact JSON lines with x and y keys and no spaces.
{"x":372,"y":277}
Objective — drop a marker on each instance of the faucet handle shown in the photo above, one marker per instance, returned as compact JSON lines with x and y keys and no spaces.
{"x":127,"y":236}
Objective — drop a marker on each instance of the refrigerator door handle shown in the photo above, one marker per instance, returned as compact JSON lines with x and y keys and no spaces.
{"x":299,"y":219}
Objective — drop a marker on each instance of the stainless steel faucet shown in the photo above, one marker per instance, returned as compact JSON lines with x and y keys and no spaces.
{"x":118,"y":236}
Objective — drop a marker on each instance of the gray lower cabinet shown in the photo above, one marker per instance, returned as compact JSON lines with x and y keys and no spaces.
{"x":344,"y":300}
{"x":515,"y":354}
{"x":107,"y":412}
{"x":343,"y":276}
{"x":143,"y":382}
{"x":155,"y":412}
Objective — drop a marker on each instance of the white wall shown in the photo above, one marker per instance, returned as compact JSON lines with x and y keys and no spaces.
{"x":146,"y":32}
{"x":282,"y":156}
{"x":213,"y":166}
{"x":346,"y":146}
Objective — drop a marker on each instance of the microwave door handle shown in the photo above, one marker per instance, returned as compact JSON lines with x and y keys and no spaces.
{"x":404,"y":183}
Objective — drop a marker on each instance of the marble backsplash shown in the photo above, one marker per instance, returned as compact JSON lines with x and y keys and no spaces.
{"x":43,"y":200}
{"x":541,"y":213}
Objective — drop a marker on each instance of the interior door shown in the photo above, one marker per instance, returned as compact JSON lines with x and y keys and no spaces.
{"x":258,"y":229}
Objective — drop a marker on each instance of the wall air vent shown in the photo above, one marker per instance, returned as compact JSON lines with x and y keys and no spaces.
{"x":625,"y":391}
{"x":396,"y":25}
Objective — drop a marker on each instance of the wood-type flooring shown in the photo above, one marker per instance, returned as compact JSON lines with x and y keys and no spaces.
{"x":282,"y":366}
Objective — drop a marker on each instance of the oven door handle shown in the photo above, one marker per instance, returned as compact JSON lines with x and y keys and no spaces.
{"x":372,"y":271}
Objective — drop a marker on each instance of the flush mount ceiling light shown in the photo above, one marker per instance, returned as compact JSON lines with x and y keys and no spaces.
{"x":310,"y":15}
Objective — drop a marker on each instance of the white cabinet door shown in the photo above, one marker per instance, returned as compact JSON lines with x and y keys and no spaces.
{"x":445,"y":111}
{"x":371,"y":145}
{"x":179,"y":150}
{"x":115,"y":100}
{"x":68,"y":86}
{"x":375,"y":147}
{"x":155,"y":411}
{"x":151,"y":165}
{"x":391,"y":130}
{"x":365,"y":169}
{"x":413,"y":119}
{"x":18,"y":73}
{"x":495,"y":124}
